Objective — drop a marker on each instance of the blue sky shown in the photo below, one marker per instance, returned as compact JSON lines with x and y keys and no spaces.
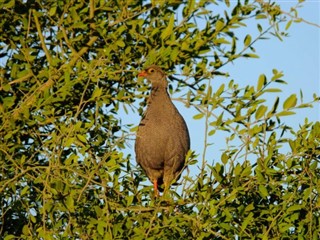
{"x":297,"y":56}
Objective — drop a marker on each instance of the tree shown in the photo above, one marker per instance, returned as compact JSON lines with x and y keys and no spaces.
{"x":67,"y":68}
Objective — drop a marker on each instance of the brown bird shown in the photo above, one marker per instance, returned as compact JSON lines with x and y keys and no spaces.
{"x":162,"y":138}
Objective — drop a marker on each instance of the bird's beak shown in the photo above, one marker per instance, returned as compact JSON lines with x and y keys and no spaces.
{"x":142,"y":74}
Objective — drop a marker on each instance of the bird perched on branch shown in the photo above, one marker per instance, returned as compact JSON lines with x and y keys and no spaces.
{"x":162,"y":138}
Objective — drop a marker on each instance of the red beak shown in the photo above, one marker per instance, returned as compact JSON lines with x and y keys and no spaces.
{"x":142,"y":74}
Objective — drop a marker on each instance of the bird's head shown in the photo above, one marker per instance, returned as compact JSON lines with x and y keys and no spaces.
{"x":155,"y":75}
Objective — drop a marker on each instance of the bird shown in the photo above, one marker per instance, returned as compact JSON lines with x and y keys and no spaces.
{"x":162,"y":139}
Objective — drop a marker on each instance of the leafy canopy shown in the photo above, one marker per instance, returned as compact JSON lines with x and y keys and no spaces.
{"x":69,"y":67}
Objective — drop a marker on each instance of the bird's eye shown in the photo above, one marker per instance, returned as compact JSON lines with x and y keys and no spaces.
{"x":151,"y":70}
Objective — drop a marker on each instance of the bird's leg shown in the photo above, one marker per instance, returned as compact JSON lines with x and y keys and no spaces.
{"x":155,"y":186}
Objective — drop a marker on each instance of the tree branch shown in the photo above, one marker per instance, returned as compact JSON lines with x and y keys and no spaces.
{"x":44,"y":47}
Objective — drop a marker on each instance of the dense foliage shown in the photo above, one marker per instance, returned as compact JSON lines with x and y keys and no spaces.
{"x":69,"y":67}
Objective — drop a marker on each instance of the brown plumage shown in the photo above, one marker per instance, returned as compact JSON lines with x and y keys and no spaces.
{"x":162,"y":138}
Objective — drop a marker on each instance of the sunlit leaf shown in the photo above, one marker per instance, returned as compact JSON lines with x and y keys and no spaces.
{"x":250,"y":55}
{"x":247,"y":40}
{"x":261,"y":111}
{"x":285,"y":113}
{"x":24,"y":190}
{"x":288,"y":25}
{"x":198,"y":116}
{"x":82,"y":138}
{"x":294,"y":208}
{"x":224,"y":158}
{"x":261,"y":82}
{"x":219,"y":25}
{"x":290,"y":102}
{"x":272,"y":90}
{"x":9,"y":237}
{"x":263,"y":191}
{"x":169,"y":29}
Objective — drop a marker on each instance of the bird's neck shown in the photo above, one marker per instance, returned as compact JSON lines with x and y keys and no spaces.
{"x":159,"y":101}
{"x":158,"y":91}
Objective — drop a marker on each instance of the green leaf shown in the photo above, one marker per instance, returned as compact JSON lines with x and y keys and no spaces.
{"x":8,"y":237}
{"x":25,"y":230}
{"x":168,"y":31}
{"x":23,"y":73}
{"x":204,"y":51}
{"x":221,"y":41}
{"x":134,"y":129}
{"x":314,"y":165}
{"x":261,"y":82}
{"x":249,"y":208}
{"x":6,"y":87}
{"x":290,"y":102}
{"x":284,"y":227}
{"x":198,"y":116}
{"x":219,"y":121}
{"x":272,"y":90}
{"x":294,"y":208}
{"x":24,"y":190}
{"x":237,"y":170}
{"x":69,"y":141}
{"x":280,"y":81}
{"x":53,"y":11}
{"x":275,"y":105}
{"x":224,"y":158}
{"x":129,"y":200}
{"x":276,"y":75}
{"x":301,"y":96}
{"x":219,"y":25}
{"x":247,"y":40}
{"x":247,"y":220}
{"x":7,"y":4}
{"x":220,"y":90}
{"x":33,"y":219}
{"x":261,"y":16}
{"x":96,"y":93}
{"x":100,"y":228}
{"x":263,"y":191}
{"x":288,"y":25}
{"x":250,"y":55}
{"x":70,"y":203}
{"x":120,"y":43}
{"x":189,"y":8}
{"x":293,"y":146}
{"x":285,"y":113}
{"x":261,"y":111}
{"x":82,"y":138}
{"x":212,"y":132}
